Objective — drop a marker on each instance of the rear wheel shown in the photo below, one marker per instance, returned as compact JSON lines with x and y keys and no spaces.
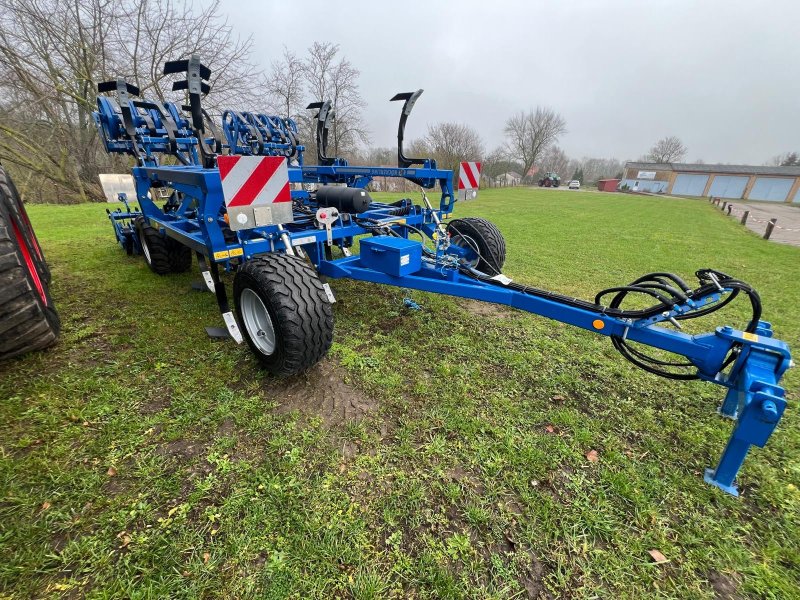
{"x":162,"y":254}
{"x":485,"y":245}
{"x":285,"y":314}
{"x":28,"y":320}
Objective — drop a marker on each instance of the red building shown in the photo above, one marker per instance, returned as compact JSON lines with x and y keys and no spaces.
{"x":608,"y":185}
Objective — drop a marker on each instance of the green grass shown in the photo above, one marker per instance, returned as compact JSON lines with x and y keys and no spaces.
{"x":452,"y":487}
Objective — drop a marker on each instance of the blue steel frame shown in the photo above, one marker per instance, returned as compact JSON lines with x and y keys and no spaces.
{"x":754,"y":398}
{"x":196,"y":218}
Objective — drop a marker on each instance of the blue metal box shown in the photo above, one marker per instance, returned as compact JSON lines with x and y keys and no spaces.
{"x":391,"y":255}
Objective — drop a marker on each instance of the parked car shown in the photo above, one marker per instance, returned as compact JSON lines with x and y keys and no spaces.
{"x":574,"y":184}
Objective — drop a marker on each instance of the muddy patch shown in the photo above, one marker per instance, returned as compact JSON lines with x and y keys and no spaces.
{"x":725,"y":586}
{"x":486,"y":309}
{"x":182,"y":450}
{"x":321,"y":391}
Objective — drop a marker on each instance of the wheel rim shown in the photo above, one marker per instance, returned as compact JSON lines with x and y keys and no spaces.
{"x":468,"y":245}
{"x":257,"y":321}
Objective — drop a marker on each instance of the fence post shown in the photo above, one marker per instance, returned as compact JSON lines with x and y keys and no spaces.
{"x":724,"y":204}
{"x":744,"y":217}
{"x":770,"y":227}
{"x":730,"y":206}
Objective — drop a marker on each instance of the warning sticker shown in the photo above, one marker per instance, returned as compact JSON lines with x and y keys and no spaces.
{"x":236,"y":252}
{"x":221,"y":255}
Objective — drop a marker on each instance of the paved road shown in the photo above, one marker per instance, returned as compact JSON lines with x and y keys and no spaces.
{"x":787,"y":229}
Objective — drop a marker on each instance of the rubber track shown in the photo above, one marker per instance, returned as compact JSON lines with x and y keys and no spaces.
{"x":488,"y":238}
{"x":302,"y":314}
{"x":26,"y":324}
{"x":10,"y":195}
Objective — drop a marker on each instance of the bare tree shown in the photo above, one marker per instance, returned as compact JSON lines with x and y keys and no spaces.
{"x":528,"y":134}
{"x":53,"y":54}
{"x":451,"y":143}
{"x":329,"y":78}
{"x":667,"y":150}
{"x":286,"y":84}
{"x":554,"y":160}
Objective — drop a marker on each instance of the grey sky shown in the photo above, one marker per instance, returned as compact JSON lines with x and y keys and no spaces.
{"x":721,"y":75}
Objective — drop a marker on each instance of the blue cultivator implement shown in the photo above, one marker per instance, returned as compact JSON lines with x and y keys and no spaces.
{"x":251,"y":206}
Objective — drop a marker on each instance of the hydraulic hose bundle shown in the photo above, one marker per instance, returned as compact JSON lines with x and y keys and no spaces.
{"x":668,"y":290}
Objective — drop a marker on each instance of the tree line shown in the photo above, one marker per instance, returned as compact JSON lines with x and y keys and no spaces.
{"x":54,"y":53}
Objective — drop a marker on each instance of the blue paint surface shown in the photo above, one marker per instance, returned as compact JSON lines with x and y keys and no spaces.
{"x":689,"y":185}
{"x":728,"y":186}
{"x":773,"y":189}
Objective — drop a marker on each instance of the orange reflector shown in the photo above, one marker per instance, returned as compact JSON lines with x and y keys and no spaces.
{"x":227,"y":218}
{"x":598,"y":324}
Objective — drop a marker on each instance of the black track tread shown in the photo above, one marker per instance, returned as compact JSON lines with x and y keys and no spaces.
{"x":26,"y":323}
{"x":10,"y":195}
{"x":157,"y":245}
{"x":299,"y":307}
{"x":490,"y":241}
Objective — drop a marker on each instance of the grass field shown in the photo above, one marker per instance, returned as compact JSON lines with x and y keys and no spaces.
{"x":434,"y":454}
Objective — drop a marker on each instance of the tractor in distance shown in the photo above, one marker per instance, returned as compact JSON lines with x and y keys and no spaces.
{"x":550,"y":180}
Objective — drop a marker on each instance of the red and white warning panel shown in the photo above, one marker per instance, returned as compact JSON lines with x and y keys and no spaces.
{"x":256,"y":190}
{"x":469,"y":179}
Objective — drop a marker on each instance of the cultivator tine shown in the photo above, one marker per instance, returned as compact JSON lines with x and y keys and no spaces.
{"x":122,"y":87}
{"x":192,"y":65}
{"x":184,"y":85}
{"x":196,"y":72}
{"x":324,"y":116}
{"x":207,"y":285}
{"x":123,"y":91}
{"x":410,"y":98}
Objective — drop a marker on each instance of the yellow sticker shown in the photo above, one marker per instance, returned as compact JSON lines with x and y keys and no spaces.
{"x":750,"y":336}
{"x":236,"y":252}
{"x":222,"y":255}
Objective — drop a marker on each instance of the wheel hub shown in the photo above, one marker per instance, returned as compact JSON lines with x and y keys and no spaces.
{"x":257,"y":321}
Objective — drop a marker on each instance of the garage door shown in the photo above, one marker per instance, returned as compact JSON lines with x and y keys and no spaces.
{"x":728,"y":186}
{"x":690,"y":185}
{"x":771,"y":188}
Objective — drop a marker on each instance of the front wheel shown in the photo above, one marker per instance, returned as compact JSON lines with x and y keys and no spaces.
{"x":284,"y":311}
{"x":485,"y":245}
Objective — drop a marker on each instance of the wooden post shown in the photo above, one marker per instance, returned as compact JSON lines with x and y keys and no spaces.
{"x":730,"y":206}
{"x":770,"y":227}
{"x":724,"y":204}
{"x":744,"y":217}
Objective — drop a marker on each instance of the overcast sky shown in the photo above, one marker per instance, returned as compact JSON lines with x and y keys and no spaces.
{"x":722,"y":75}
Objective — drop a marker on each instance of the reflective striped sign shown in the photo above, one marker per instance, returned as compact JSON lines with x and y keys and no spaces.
{"x":256,"y":190}
{"x":254,"y":180}
{"x":469,"y":176}
{"x":469,"y":180}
